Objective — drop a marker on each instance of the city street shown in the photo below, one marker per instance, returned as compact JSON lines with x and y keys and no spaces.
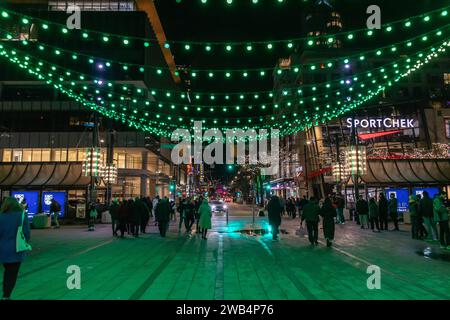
{"x":231,"y":264}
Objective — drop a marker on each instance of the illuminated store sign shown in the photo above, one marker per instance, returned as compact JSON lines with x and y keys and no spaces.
{"x":380,"y":123}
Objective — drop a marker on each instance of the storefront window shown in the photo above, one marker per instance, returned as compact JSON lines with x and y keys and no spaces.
{"x":26,"y":155}
{"x":17,"y":156}
{"x":7,"y":155}
{"x":46,"y":155}
{"x":36,"y":156}
{"x":121,"y":161}
{"x":72,"y":155}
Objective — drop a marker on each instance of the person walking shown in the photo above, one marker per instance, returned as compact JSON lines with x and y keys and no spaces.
{"x":414,"y":215}
{"x":180,"y":208}
{"x":441,"y":216}
{"x":303,"y":202}
{"x":274,"y":211}
{"x":92,"y":216}
{"x":11,"y":217}
{"x":122,"y":217}
{"x":198,"y":203}
{"x":155,"y":203}
{"x":340,"y":205}
{"x":189,"y":215}
{"x":426,"y":211}
{"x":362,"y":208}
{"x":393,"y":211}
{"x":145,"y":215}
{"x":373,"y":215}
{"x":423,"y":233}
{"x":55,"y":211}
{"x":328,"y":213}
{"x":311,"y":215}
{"x":114,"y":212}
{"x":205,"y":214}
{"x":383,"y":211}
{"x":163,"y":216}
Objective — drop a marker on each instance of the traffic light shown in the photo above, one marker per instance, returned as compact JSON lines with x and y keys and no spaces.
{"x":172,"y":186}
{"x":230,"y":167}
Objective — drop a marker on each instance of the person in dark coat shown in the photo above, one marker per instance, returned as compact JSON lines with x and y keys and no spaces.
{"x":130,"y":209}
{"x":189,"y":215}
{"x":274,"y":209}
{"x":414,"y":215}
{"x":423,"y":233}
{"x":136,"y":216}
{"x":10,"y":219}
{"x":114,"y":212}
{"x":311,"y":212}
{"x":362,"y":207}
{"x":143,"y":215}
{"x":163,"y":216}
{"x":426,"y":211}
{"x":122,"y":217}
{"x":197,"y":215}
{"x":180,"y":208}
{"x":383,"y":212}
{"x":393,"y":211}
{"x":373,"y":215}
{"x":328,"y":213}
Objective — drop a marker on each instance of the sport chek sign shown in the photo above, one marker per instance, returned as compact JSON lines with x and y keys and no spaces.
{"x":381,"y":123}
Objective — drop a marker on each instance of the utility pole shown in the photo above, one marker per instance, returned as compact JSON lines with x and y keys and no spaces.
{"x":92,"y":187}
{"x":305,"y":170}
{"x":338,"y":185}
{"x":110,"y":160}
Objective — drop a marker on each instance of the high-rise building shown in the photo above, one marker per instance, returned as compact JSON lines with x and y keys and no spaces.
{"x":45,"y":136}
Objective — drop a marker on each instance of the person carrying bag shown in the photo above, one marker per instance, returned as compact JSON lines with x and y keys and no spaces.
{"x":14,"y":242}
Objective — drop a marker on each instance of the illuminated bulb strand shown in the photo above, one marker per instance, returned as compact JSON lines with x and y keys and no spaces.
{"x":227,"y":46}
{"x":314,"y":88}
{"x":237,"y":120}
{"x":290,"y":124}
{"x":100,"y":84}
{"x":316,"y":120}
{"x":248,"y":73}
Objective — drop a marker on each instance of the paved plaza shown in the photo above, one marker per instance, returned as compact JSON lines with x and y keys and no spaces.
{"x":232,"y":264}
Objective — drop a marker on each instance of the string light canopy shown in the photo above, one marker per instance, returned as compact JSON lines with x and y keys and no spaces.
{"x":238,"y":47}
{"x":100,"y":90}
{"x":241,"y":98}
{"x":162,"y":127}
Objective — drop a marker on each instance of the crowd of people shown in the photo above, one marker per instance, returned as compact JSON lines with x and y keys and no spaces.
{"x":425,"y":213}
{"x":133,"y":215}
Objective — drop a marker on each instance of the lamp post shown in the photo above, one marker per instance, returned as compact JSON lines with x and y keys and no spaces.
{"x":305,"y":152}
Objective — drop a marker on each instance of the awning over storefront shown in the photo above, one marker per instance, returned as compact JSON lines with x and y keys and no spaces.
{"x":407,"y":171}
{"x":37,"y":175}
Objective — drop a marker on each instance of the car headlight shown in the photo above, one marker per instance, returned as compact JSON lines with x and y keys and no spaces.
{"x":225,"y":207}
{"x":213,"y":207}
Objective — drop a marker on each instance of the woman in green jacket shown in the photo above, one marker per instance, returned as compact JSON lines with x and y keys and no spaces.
{"x":205,"y":218}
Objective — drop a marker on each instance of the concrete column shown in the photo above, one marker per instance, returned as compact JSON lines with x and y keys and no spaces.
{"x":144,"y":191}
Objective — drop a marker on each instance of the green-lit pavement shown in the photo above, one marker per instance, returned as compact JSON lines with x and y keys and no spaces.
{"x":231,"y":265}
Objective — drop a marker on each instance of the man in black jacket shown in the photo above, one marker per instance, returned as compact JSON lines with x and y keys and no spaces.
{"x":163,"y":216}
{"x":383,"y":211}
{"x":274,"y":210}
